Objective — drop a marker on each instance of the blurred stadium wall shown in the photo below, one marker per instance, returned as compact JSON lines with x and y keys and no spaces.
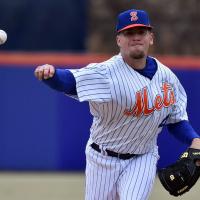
{"x":89,"y":25}
{"x":41,"y":129}
{"x":45,"y":25}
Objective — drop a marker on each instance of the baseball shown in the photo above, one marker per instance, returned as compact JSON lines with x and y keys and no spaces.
{"x":3,"y":37}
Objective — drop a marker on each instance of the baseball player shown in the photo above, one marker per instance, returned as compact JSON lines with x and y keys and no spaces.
{"x":131,"y":97}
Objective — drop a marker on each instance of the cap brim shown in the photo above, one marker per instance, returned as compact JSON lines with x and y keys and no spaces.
{"x":133,"y":26}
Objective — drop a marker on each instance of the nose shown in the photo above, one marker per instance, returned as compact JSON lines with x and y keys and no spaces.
{"x":136,"y":36}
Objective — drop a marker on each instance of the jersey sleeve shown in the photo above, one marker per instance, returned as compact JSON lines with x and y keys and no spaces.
{"x":179,"y":112}
{"x":92,"y":83}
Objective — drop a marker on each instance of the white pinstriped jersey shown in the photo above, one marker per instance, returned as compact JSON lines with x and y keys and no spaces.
{"x":129,"y":109}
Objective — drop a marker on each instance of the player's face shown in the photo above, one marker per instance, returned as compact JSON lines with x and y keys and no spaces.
{"x":134,"y":43}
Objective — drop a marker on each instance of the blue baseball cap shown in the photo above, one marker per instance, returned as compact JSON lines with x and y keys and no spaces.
{"x":132,"y":18}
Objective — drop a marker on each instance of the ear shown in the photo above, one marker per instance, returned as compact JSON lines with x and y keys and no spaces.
{"x":118,"y":40}
{"x":151,"y":38}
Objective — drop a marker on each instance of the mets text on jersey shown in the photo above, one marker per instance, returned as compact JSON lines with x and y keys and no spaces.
{"x":141,"y":104}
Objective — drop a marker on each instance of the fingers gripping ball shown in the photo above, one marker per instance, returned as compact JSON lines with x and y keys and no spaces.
{"x":3,"y":37}
{"x":180,"y":177}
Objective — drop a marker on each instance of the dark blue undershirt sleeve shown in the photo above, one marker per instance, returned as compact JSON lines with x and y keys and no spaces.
{"x":183,"y":131}
{"x":63,"y":80}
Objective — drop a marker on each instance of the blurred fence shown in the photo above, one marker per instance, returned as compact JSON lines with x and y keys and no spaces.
{"x":42,"y":129}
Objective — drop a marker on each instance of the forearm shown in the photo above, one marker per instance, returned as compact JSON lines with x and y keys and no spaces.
{"x":63,"y":80}
{"x":183,"y":131}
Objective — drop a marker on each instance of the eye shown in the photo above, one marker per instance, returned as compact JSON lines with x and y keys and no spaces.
{"x":130,"y":32}
{"x":142,"y":32}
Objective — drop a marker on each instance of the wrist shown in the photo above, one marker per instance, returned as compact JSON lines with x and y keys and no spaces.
{"x":195,"y":143}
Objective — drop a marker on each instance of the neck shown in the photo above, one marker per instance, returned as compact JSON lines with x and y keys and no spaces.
{"x":135,"y":63}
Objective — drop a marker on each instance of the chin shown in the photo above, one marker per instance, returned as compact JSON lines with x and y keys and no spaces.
{"x":137,"y":55}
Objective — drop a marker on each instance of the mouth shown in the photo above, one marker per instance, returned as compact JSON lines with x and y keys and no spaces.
{"x":137,"y":44}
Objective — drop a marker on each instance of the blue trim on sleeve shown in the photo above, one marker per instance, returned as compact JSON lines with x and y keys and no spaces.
{"x":63,"y":80}
{"x":183,"y":131}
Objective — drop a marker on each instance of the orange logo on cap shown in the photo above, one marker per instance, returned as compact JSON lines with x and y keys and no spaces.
{"x":134,"y":16}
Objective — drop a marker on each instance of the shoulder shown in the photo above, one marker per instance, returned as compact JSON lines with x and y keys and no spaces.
{"x":105,"y":66}
{"x":113,"y":61}
{"x":102,"y":69}
{"x":165,"y":69}
{"x":102,"y":65}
